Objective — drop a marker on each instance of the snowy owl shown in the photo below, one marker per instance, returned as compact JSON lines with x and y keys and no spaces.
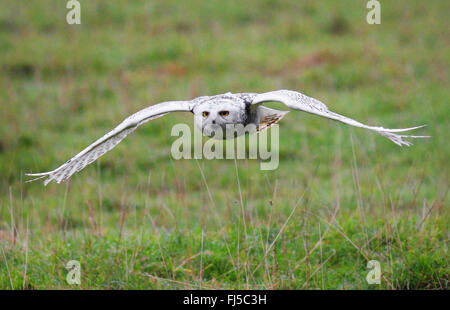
{"x":220,"y":111}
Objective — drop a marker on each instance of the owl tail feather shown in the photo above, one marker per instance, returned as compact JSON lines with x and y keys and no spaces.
{"x":267,"y":117}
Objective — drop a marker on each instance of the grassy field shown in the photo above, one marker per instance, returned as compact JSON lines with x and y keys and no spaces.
{"x":138,"y":219}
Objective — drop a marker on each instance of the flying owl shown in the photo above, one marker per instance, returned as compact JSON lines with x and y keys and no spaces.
{"x":215,"y":111}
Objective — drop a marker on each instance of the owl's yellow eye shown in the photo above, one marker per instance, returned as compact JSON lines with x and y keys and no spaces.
{"x":224,"y":113}
{"x":205,"y":114}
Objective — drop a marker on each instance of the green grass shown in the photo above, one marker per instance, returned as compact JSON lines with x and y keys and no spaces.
{"x":340,"y":197}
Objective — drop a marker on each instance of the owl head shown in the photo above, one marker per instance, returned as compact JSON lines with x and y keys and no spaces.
{"x":213,"y":117}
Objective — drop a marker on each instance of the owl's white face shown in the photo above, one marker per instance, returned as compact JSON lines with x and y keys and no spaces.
{"x":214,"y":115}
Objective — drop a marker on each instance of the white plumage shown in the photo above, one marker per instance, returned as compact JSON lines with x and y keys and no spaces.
{"x":219,"y":110}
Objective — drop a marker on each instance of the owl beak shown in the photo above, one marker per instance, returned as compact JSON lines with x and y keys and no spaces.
{"x":213,"y":130}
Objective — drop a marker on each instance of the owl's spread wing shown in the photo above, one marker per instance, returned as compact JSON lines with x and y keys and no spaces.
{"x":111,"y":139}
{"x":298,"y":101}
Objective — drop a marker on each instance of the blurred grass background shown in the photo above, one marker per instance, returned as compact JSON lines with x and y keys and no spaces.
{"x":340,"y":197}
